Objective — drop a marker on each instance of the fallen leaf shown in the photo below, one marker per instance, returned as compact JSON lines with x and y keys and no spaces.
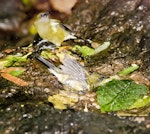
{"x":118,"y":95}
{"x":14,"y":79}
{"x":8,"y":51}
{"x":15,"y":71}
{"x":60,"y":101}
{"x":13,"y":60}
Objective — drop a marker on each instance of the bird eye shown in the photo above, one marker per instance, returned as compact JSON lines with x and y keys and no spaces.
{"x":44,"y":14}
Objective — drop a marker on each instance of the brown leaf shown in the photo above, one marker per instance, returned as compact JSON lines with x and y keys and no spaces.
{"x":14,"y":79}
{"x":8,"y":51}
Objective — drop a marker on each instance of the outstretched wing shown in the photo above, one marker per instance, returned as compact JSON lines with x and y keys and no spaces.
{"x":72,"y":68}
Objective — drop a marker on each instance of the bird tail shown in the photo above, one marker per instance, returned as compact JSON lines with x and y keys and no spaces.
{"x":46,"y":62}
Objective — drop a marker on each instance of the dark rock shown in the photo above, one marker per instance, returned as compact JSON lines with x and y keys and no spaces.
{"x":22,"y":116}
{"x":125,"y":23}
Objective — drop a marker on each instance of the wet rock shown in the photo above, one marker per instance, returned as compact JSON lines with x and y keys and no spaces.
{"x":22,"y":116}
{"x":124,"y":23}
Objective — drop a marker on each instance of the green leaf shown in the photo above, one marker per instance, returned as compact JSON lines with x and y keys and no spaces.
{"x":128,"y":70}
{"x":102,"y":47}
{"x":86,"y":51}
{"x":15,"y":60}
{"x":119,"y":95}
{"x":28,"y":3}
{"x":48,"y":55}
{"x":16,"y":72}
{"x":141,"y":102}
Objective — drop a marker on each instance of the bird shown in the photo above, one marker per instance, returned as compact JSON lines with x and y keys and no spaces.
{"x":70,"y":73}
{"x":52,"y":30}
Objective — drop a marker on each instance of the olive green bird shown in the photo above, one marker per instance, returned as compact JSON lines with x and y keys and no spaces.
{"x":52,"y":30}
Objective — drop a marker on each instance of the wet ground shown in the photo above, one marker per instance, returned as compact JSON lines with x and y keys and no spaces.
{"x":26,"y":109}
{"x":23,"y":114}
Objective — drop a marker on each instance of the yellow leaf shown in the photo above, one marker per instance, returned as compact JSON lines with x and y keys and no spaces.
{"x":61,"y":101}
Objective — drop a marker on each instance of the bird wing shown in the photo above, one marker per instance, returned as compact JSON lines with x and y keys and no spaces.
{"x":72,"y":68}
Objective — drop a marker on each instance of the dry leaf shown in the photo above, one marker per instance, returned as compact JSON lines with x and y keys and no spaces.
{"x":14,"y":79}
{"x":60,"y":101}
{"x":8,"y":51}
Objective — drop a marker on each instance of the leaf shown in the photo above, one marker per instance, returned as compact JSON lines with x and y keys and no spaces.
{"x":128,"y":70}
{"x":102,"y":47}
{"x":15,"y":71}
{"x":32,"y":30}
{"x":14,"y":79}
{"x":28,"y":3}
{"x":15,"y":60}
{"x":3,"y":62}
{"x":61,"y":101}
{"x":48,"y":55}
{"x":141,"y":102}
{"x":86,"y":51}
{"x":119,"y":95}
